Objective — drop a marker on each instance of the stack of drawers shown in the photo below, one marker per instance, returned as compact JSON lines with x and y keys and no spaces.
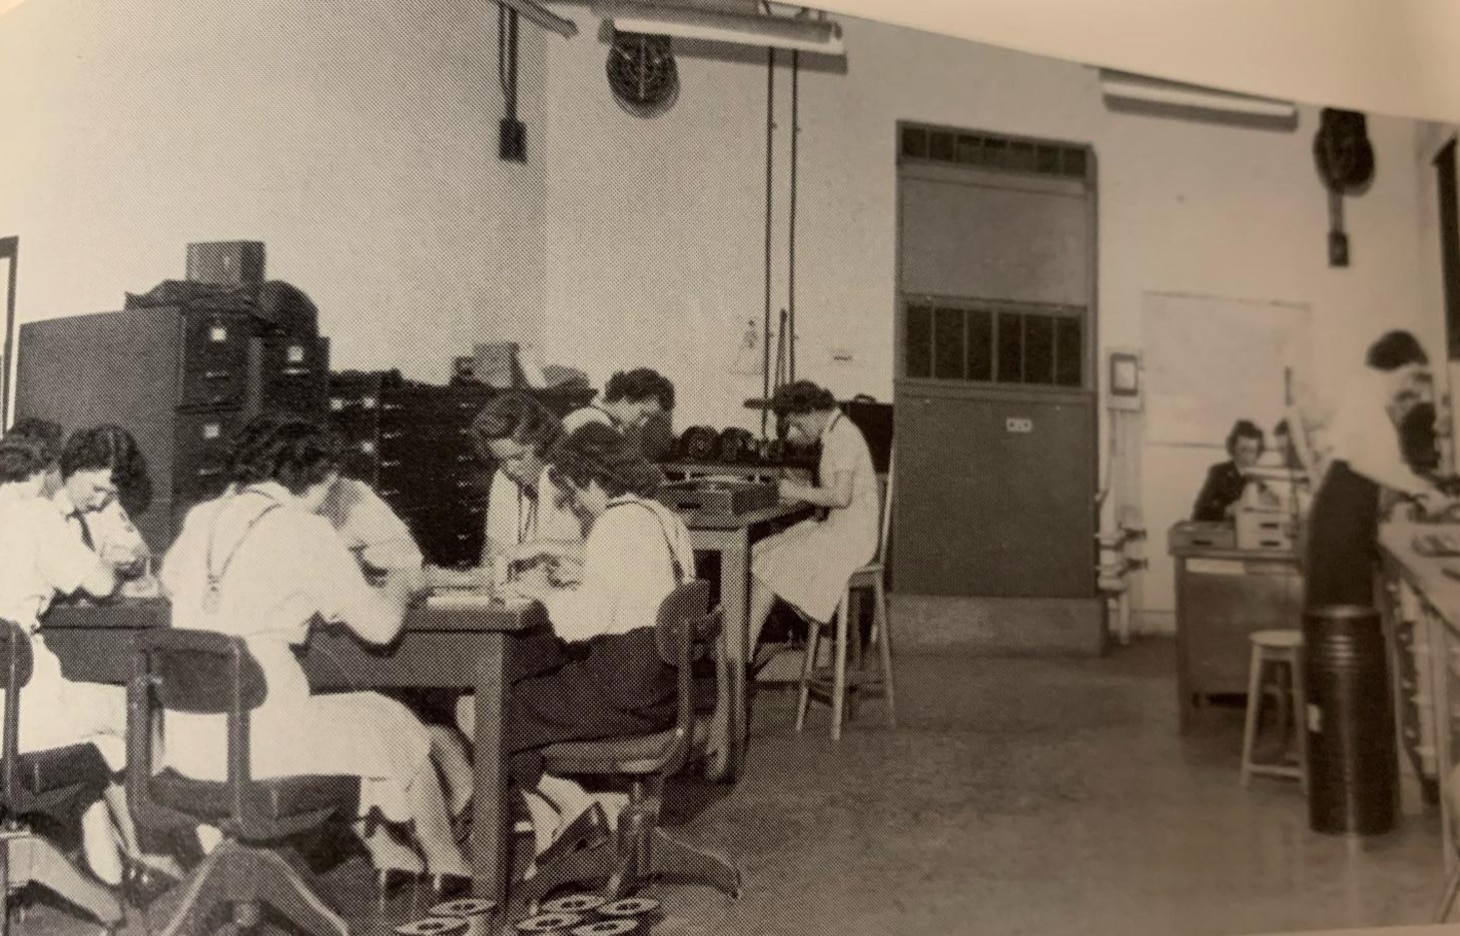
{"x":182,"y":380}
{"x":412,"y":444}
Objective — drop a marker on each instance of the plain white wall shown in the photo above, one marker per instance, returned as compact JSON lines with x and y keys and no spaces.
{"x":359,"y":141}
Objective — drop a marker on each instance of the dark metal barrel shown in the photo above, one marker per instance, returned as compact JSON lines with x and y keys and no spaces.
{"x":1353,"y":771}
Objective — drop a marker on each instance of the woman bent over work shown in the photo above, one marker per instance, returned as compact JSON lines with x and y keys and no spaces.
{"x":260,"y":563}
{"x":609,"y":679}
{"x":1343,"y":530}
{"x":808,"y":565}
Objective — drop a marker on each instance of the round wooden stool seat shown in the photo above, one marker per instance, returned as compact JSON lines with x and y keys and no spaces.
{"x":1277,"y":639}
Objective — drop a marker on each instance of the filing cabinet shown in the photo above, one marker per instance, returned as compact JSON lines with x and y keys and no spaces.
{"x":181,"y":378}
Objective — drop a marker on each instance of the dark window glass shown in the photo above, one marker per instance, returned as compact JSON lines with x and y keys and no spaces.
{"x":919,"y":346}
{"x":980,"y":344}
{"x":1011,"y":347}
{"x":1069,"y":352}
{"x":914,"y":142}
{"x":948,"y":346}
{"x":1038,"y":349}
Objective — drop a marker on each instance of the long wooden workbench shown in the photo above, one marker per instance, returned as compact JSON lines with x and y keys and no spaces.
{"x":1421,"y":606}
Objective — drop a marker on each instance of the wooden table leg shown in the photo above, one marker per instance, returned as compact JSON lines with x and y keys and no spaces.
{"x":491,"y":832}
{"x":730,"y":722}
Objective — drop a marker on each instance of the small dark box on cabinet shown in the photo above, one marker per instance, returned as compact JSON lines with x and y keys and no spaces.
{"x":226,"y":262}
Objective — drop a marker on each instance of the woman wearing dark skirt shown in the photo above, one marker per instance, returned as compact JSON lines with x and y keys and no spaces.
{"x":1343,"y":524}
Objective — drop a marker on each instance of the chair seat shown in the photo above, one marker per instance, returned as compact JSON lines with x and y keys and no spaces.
{"x":59,"y":768}
{"x":1277,"y":639}
{"x":278,"y":799}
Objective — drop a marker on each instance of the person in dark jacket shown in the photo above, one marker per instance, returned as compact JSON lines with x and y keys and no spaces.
{"x":1226,"y":482}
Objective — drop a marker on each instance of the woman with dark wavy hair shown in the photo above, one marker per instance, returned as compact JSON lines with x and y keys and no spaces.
{"x":261,"y":563}
{"x":104,"y":483}
{"x":525,"y":509}
{"x":808,"y":565}
{"x":609,"y":679}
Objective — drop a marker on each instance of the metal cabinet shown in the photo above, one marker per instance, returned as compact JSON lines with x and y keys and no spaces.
{"x":181,"y":379}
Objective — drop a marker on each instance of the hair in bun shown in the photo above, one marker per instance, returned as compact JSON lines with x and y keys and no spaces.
{"x":597,"y":453}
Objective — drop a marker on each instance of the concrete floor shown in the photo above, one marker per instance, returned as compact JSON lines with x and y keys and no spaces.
{"x":1043,"y":797}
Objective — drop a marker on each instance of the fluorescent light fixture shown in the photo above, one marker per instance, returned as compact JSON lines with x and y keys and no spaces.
{"x":542,"y":17}
{"x":780,"y":32}
{"x":1138,"y":88}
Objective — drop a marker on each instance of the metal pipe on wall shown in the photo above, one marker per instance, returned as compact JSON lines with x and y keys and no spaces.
{"x":791,"y":270}
{"x":770,"y":136}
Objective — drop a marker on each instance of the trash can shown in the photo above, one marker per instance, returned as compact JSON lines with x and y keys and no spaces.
{"x":1353,"y":767}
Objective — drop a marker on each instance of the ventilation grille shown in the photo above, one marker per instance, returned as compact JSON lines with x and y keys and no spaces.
{"x":1002,"y":345}
{"x":988,"y":151}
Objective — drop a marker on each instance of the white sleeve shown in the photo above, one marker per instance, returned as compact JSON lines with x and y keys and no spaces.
{"x":1365,"y":438}
{"x":502,"y":507}
{"x":591,"y":608}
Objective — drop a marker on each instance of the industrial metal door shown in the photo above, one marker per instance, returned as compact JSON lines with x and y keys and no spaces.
{"x":997,"y":429}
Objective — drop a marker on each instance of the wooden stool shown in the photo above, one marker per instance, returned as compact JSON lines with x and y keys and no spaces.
{"x":841,"y":686}
{"x":1276,"y":648}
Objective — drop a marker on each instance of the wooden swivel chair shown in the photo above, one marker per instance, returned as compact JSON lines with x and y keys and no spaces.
{"x":55,"y":784}
{"x":639,"y":851}
{"x":207,"y":673}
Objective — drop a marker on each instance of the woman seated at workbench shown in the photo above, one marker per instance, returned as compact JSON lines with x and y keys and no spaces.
{"x":528,"y":515}
{"x":40,"y":559}
{"x":608,"y":679}
{"x":1226,"y":481}
{"x":259,"y":562}
{"x":808,"y":565}
{"x":98,"y":481}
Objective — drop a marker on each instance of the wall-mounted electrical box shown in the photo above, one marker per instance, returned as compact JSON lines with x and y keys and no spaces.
{"x":1123,"y":384}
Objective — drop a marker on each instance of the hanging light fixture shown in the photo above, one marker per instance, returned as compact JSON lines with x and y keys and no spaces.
{"x":542,"y":17}
{"x":713,"y":25}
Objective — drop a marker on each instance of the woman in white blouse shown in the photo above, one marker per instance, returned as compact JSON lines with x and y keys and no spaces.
{"x":1365,"y":455}
{"x":261,"y":563}
{"x":808,"y":565}
{"x":609,"y":679}
{"x":39,"y":559}
{"x":527,"y":514}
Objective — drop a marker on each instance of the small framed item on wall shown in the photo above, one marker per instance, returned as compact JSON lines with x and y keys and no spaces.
{"x":1124,"y":380}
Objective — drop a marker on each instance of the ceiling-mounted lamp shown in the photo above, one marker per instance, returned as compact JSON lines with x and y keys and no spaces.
{"x":1122,"y":87}
{"x":542,"y":17}
{"x":778,"y":32}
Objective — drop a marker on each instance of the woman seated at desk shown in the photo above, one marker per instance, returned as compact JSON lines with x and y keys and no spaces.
{"x":1225,"y":482}
{"x":607,"y":678}
{"x":528,"y":515}
{"x":808,"y":566}
{"x":259,"y":562}
{"x":98,"y":481}
{"x":39,"y":559}
{"x":630,"y":400}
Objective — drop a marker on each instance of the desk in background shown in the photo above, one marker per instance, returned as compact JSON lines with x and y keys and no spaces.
{"x":1223,"y":594}
{"x":438,"y":649}
{"x":730,"y":538}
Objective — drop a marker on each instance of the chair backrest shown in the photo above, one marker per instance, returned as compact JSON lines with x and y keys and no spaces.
{"x":684,"y":632}
{"x":197,"y":672}
{"x":885,"y":531}
{"x":17,"y":663}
